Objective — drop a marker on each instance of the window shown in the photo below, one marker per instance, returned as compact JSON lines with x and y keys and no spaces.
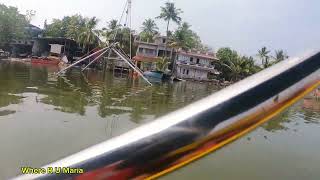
{"x":150,"y":51}
{"x":140,"y":50}
{"x":188,"y":72}
{"x":191,"y":59}
{"x":184,"y":71}
{"x":163,"y":40}
{"x":198,"y":61}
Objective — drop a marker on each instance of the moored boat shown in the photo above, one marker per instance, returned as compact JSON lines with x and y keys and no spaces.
{"x":154,"y":74}
{"x":157,"y":75}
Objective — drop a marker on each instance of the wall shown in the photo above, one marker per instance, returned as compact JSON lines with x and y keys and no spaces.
{"x":191,"y":73}
{"x":185,"y":58}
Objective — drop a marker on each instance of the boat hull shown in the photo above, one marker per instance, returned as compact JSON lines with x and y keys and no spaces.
{"x":45,"y":61}
{"x":154,"y":74}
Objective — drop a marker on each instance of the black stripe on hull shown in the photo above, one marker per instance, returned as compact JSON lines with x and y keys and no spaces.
{"x":152,"y":148}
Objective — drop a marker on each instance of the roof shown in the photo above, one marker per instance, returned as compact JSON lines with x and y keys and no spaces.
{"x":146,"y":58}
{"x":58,"y":40}
{"x":61,"y":39}
{"x":199,"y":55}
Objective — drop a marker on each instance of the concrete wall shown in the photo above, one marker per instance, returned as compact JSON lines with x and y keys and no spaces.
{"x":187,"y":59}
{"x":191,"y":73}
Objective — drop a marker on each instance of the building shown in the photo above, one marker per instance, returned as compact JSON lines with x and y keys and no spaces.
{"x":148,"y":53}
{"x":47,"y":46}
{"x":23,"y":47}
{"x":195,"y":65}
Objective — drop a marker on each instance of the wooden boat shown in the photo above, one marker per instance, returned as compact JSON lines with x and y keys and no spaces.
{"x":46,"y":60}
{"x":174,"y":140}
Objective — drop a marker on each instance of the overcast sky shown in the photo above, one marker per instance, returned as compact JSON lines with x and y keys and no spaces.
{"x":245,"y":25}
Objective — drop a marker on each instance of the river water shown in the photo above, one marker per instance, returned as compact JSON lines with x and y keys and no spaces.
{"x":44,"y":118}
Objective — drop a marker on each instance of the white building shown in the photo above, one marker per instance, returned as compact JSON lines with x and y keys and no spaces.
{"x":195,"y":66}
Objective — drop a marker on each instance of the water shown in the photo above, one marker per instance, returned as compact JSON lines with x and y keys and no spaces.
{"x":44,"y":118}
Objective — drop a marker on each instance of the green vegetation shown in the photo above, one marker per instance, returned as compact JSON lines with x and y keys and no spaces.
{"x":232,"y":66}
{"x":162,"y":64}
{"x":149,"y":30}
{"x":12,"y":24}
{"x":170,"y":13}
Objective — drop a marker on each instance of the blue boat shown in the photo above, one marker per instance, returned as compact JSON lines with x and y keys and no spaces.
{"x":154,"y":74}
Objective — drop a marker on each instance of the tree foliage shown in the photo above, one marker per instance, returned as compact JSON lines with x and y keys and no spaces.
{"x":234,"y":67}
{"x":170,"y":13}
{"x":149,"y":30}
{"x":81,"y":29}
{"x":12,"y":24}
{"x":185,"y":38}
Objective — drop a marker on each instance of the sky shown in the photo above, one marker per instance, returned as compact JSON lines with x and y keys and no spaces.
{"x":244,"y":25}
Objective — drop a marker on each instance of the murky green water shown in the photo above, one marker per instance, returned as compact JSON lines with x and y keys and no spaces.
{"x":44,"y":118}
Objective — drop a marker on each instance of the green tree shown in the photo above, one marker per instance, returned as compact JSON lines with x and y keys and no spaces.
{"x":280,"y":55}
{"x":12,"y":24}
{"x":185,"y":38}
{"x":90,"y":35}
{"x":149,"y":30}
{"x":263,"y":54}
{"x":162,"y":64}
{"x":234,"y":67}
{"x":170,"y":13}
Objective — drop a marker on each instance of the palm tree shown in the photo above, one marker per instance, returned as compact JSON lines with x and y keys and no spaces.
{"x":185,"y":38}
{"x":280,"y":55}
{"x":264,"y":56}
{"x":162,"y":64}
{"x":149,"y":29}
{"x":90,"y":35}
{"x":170,"y":13}
{"x":111,"y":30}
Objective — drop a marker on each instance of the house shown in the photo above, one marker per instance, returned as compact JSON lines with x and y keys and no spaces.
{"x":47,"y":46}
{"x":148,"y":53}
{"x":23,"y":47}
{"x":195,"y":65}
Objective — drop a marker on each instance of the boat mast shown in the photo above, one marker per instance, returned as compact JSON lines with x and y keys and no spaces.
{"x":130,"y":24}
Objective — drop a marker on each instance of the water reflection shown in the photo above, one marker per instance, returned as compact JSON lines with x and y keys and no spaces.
{"x":38,"y":109}
{"x":112,"y":94}
{"x":307,"y":111}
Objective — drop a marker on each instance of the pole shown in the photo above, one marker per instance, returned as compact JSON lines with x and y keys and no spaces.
{"x":131,"y":65}
{"x":81,"y":60}
{"x":97,"y":58}
{"x":130,"y":24}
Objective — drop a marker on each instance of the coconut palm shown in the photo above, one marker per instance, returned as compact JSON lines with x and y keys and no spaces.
{"x":280,"y":55}
{"x":162,"y":64}
{"x":185,"y":38}
{"x":149,"y":29}
{"x":90,"y":35}
{"x":264,"y":56}
{"x":170,"y":13}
